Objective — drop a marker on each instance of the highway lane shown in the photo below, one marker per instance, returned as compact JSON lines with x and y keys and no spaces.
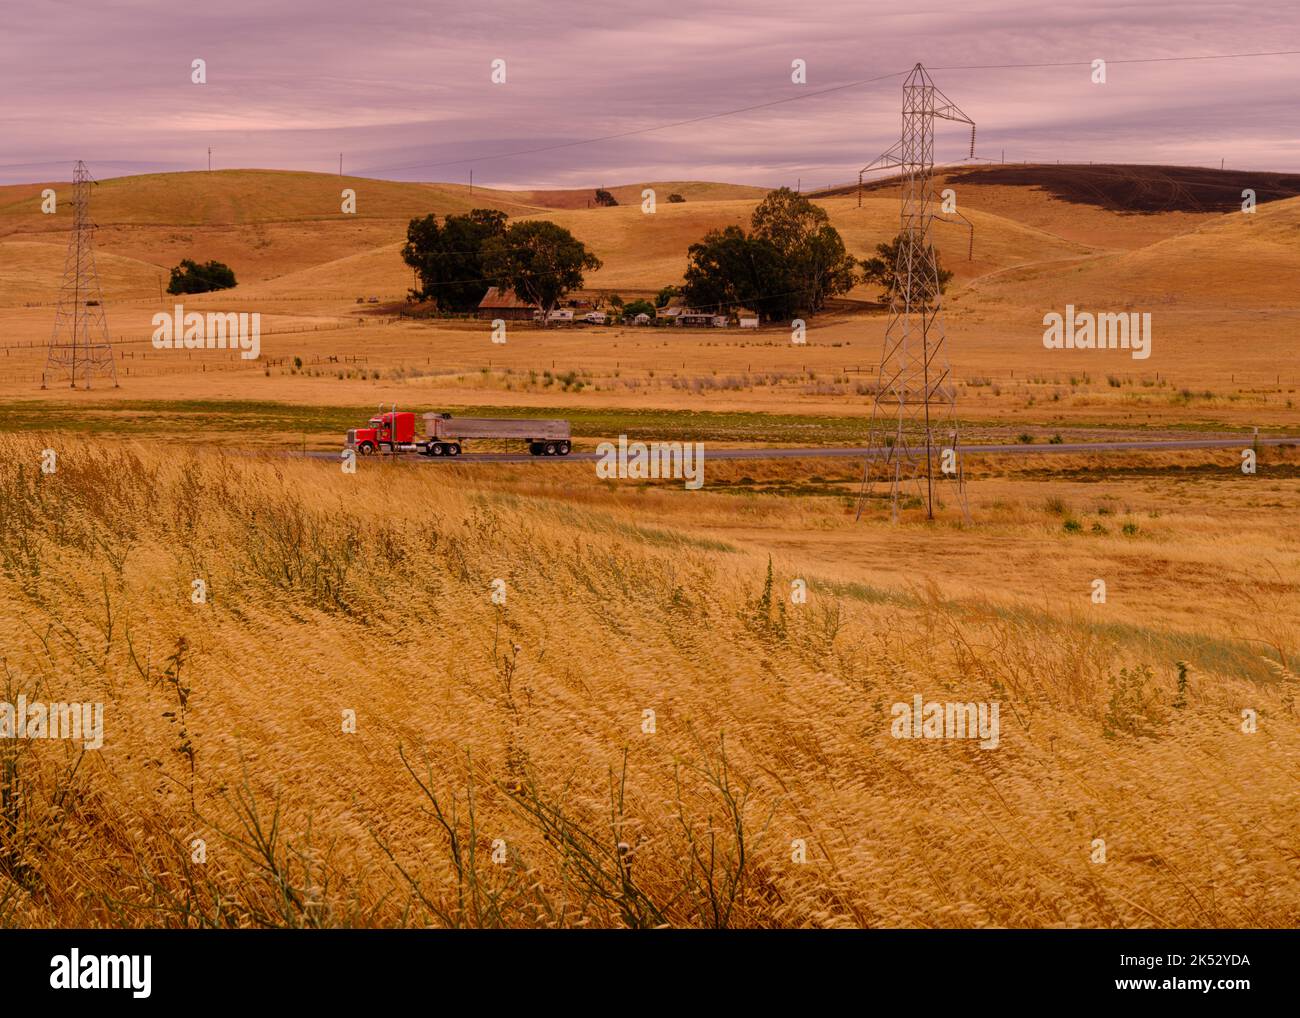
{"x":858,"y":452}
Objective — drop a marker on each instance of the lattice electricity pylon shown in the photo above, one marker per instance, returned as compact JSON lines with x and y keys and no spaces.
{"x":915,"y":395}
{"x":79,"y":345}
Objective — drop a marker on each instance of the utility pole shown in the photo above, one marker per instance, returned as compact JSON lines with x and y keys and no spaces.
{"x":913,"y":417}
{"x":79,"y":344}
{"x":209,"y":158}
{"x":340,"y":164}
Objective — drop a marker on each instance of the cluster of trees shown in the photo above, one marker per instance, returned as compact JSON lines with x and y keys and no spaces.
{"x":456,"y":261}
{"x":191,"y":277}
{"x":790,"y":262}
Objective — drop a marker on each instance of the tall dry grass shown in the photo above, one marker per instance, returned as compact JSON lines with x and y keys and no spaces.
{"x":500,"y":773}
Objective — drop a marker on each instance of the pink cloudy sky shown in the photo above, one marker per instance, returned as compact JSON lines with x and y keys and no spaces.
{"x":404,"y":91}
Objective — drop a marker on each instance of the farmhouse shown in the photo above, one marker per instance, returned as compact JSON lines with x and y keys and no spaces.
{"x":506,"y":305}
{"x":672,"y":311}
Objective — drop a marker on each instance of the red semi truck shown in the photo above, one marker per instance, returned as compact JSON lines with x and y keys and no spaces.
{"x":393,"y":431}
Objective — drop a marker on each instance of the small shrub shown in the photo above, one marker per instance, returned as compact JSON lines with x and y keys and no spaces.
{"x":191,"y":277}
{"x":1180,"y":701}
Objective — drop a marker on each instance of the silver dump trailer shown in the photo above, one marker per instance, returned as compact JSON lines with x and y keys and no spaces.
{"x":445,"y":434}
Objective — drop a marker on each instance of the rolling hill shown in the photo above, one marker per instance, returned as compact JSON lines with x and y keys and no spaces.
{"x":1245,"y":262}
{"x":1043,"y":236}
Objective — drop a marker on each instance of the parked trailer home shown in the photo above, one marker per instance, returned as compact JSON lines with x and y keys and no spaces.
{"x":393,"y":431}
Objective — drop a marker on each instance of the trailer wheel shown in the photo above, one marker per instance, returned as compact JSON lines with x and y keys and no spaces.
{"x":534,"y":448}
{"x":550,"y":448}
{"x":564,"y":448}
{"x":436,"y":449}
{"x":453,"y":449}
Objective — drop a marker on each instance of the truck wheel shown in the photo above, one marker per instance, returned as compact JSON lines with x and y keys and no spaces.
{"x":564,"y":448}
{"x":365,"y":448}
{"x":550,"y":448}
{"x":436,"y":449}
{"x":453,"y":449}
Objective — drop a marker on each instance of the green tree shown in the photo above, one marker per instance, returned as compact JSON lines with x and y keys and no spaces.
{"x":540,"y":261}
{"x":603,"y":197}
{"x":666,"y":295}
{"x":729,"y":269}
{"x":638,"y":307}
{"x":890,"y":259}
{"x":449,"y":258}
{"x":819,"y":265}
{"x":191,"y":277}
{"x":675,"y":199}
{"x":785,"y":218}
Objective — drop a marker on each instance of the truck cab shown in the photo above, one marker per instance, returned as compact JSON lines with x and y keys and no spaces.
{"x":387,"y":431}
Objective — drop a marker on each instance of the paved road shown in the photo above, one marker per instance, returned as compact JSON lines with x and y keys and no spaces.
{"x":856,"y":452}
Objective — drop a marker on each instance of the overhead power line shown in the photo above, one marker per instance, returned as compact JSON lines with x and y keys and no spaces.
{"x":1131,"y":60}
{"x":639,"y":130}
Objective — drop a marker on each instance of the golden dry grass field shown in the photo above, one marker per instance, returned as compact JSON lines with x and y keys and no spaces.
{"x":651,"y":727}
{"x":767,"y":792}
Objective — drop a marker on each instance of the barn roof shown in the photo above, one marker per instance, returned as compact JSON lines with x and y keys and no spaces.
{"x":497,"y":298}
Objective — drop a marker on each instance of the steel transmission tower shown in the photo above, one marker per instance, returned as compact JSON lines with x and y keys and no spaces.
{"x":913,"y":426}
{"x":79,"y":346}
